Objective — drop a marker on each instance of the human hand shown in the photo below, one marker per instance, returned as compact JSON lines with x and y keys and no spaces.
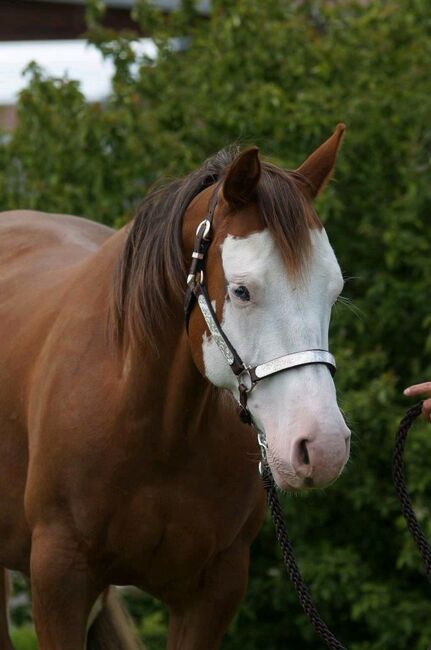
{"x":421,"y":389}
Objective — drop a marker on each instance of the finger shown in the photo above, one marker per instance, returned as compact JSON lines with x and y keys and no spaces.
{"x":418,"y":389}
{"x":426,"y":409}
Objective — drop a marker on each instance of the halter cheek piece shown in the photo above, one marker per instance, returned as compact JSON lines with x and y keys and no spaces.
{"x":247,"y":376}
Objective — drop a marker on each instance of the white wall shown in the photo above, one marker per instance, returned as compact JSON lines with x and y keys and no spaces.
{"x":76,"y":59}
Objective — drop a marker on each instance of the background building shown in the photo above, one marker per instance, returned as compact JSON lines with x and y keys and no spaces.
{"x":51,"y":33}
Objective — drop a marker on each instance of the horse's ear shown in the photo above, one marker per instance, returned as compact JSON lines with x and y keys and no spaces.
{"x":318,"y":167}
{"x":242,"y":178}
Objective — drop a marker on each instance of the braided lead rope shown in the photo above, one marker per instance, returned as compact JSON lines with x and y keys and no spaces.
{"x":292,"y":568}
{"x":303,"y":593}
{"x":401,"y":489}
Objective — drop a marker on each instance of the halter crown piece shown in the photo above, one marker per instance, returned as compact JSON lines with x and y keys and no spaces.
{"x":247,"y":376}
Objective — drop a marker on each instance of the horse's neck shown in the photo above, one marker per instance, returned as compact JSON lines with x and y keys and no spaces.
{"x":159,"y":389}
{"x":164,"y":384}
{"x":161,"y":384}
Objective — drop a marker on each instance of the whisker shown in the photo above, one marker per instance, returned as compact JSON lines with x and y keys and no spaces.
{"x":349,"y":278}
{"x":356,"y":311}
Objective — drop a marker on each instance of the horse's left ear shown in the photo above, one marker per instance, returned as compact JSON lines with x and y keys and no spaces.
{"x":318,"y":167}
{"x":242,"y":178}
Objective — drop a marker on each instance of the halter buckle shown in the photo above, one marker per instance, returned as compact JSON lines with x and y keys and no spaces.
{"x":192,"y":278}
{"x":207,"y":228}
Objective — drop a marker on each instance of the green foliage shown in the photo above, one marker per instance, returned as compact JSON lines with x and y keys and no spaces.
{"x":282,"y":74}
{"x":24,"y":638}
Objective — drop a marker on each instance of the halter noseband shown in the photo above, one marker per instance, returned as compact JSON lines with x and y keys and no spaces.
{"x":247,"y":376}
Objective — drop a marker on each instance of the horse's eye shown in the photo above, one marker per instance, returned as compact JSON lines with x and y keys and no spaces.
{"x":242,"y":293}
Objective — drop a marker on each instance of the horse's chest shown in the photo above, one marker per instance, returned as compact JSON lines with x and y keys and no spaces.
{"x":163,"y":541}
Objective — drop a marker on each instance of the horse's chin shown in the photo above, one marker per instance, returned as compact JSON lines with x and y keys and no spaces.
{"x":284,"y":475}
{"x":289,"y":483}
{"x":298,"y":484}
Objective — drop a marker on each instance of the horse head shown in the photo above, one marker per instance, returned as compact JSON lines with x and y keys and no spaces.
{"x":272,"y":278}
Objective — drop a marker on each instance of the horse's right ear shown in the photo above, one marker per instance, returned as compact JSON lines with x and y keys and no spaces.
{"x":242,"y":178}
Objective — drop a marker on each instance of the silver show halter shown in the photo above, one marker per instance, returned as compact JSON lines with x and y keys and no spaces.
{"x":247,"y":376}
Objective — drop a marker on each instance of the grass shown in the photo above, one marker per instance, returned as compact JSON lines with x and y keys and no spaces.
{"x":24,"y":638}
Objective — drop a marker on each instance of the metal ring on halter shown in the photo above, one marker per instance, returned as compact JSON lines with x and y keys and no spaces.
{"x":206,"y":232}
{"x":261,"y":438}
{"x":249,"y":384}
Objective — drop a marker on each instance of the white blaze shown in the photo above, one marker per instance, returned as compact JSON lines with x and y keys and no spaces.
{"x":285,"y":314}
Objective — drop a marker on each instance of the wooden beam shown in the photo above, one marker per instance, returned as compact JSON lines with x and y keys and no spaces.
{"x":23,"y":20}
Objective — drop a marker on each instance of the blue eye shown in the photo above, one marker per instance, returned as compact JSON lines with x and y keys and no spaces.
{"x":242,"y":293}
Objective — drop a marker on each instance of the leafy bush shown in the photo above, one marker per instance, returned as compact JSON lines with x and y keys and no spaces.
{"x":281,"y":75}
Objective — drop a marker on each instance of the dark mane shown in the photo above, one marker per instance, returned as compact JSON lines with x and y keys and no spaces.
{"x":152,"y":263}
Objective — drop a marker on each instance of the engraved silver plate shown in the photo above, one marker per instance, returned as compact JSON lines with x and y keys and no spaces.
{"x":293,"y":360}
{"x":215,"y":332}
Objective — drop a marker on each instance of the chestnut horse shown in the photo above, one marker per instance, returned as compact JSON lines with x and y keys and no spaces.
{"x":123,"y":460}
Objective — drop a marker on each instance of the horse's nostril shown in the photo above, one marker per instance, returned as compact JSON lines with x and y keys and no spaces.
{"x":301,"y":461}
{"x":303,"y":452}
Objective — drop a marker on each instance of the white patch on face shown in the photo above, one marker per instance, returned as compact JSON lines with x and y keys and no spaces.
{"x":298,"y":407}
